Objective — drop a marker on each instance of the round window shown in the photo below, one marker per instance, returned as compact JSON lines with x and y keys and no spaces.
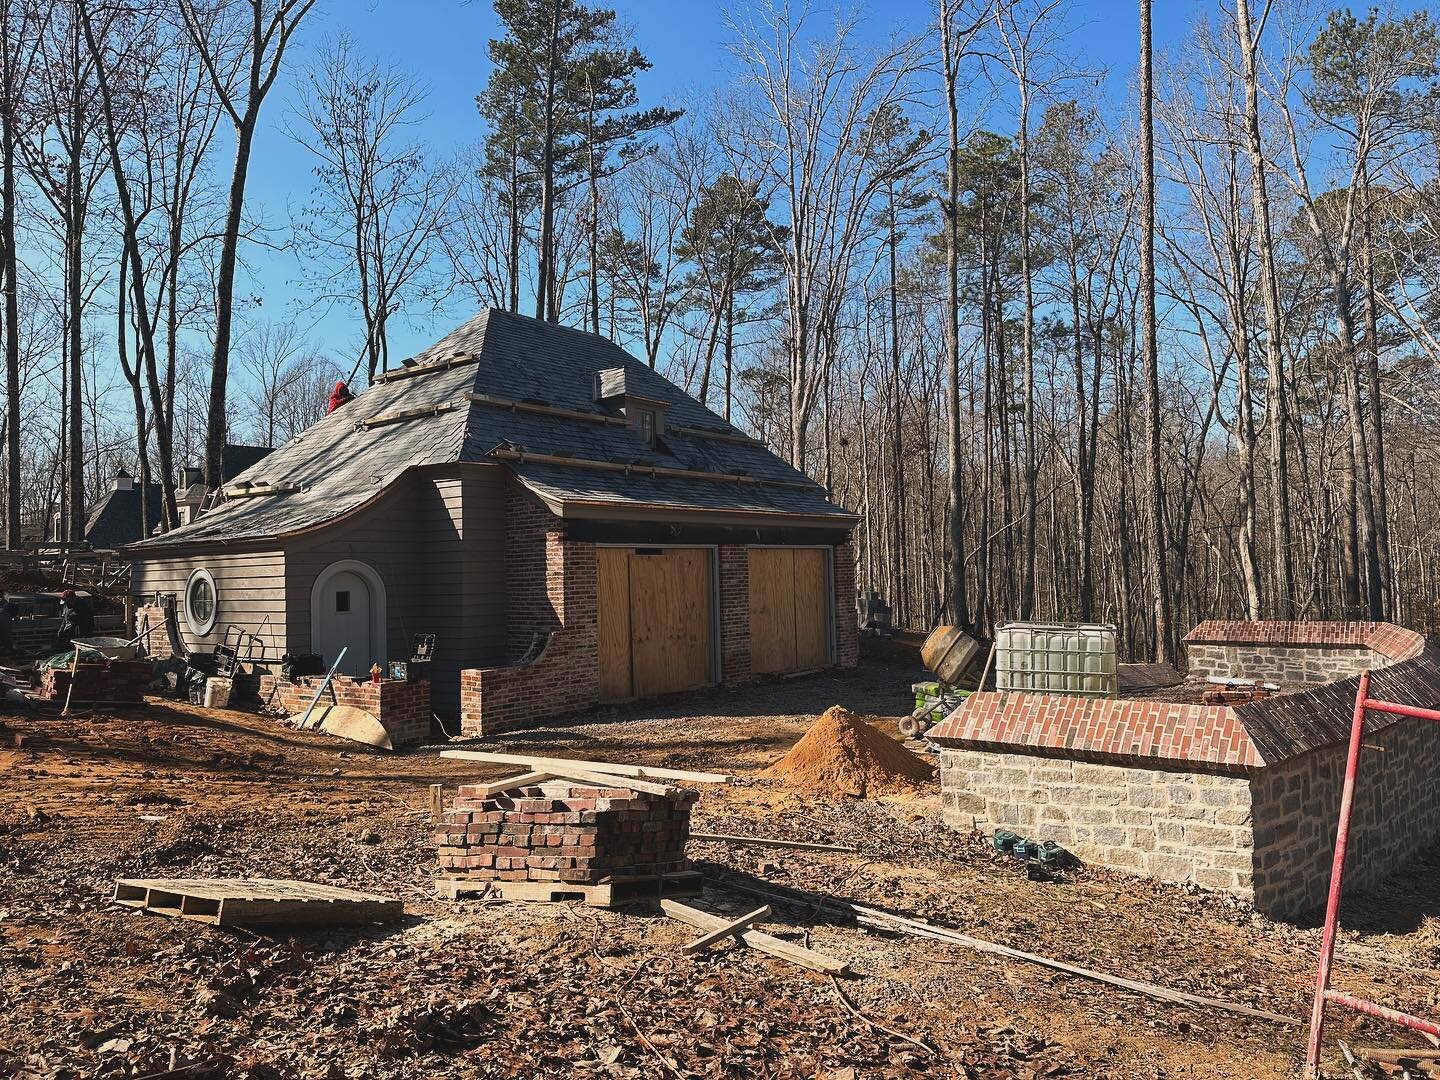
{"x":200,"y":603}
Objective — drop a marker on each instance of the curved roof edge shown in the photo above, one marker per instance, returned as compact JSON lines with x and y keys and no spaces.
{"x":1389,"y":640}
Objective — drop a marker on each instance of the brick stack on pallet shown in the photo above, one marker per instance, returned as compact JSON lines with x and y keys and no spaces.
{"x":566,"y":832}
{"x":545,"y":835}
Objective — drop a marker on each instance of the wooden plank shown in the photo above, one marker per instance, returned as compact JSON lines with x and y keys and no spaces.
{"x":812,"y":608}
{"x":510,"y":783}
{"x":613,"y":629}
{"x":761,"y":841}
{"x":742,"y":923}
{"x":761,"y":942}
{"x":615,"y":768}
{"x":686,"y":883}
{"x":772,"y":610}
{"x":254,"y":901}
{"x":670,"y":632}
{"x":597,"y":779}
{"x":437,"y":803}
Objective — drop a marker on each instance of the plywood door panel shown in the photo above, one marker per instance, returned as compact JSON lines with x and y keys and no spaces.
{"x":772,"y":610}
{"x":670,"y":621}
{"x":613,"y":630}
{"x":812,"y":609}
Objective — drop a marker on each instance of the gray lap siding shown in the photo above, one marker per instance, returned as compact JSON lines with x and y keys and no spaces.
{"x":249,"y":591}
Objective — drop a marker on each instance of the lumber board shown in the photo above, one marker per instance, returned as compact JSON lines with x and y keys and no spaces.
{"x":1394,"y":1055}
{"x":884,"y":920}
{"x":599,"y":779}
{"x":765,"y":841}
{"x":605,"y":894}
{"x":670,"y":632}
{"x":613,"y":624}
{"x":744,"y":922}
{"x":614,"y":768}
{"x":510,"y":783}
{"x":757,"y":940}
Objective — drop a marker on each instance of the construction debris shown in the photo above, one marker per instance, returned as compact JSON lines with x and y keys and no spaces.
{"x":772,"y":946}
{"x":763,"y":841}
{"x":730,"y":929}
{"x":252,"y":902}
{"x":841,"y":755}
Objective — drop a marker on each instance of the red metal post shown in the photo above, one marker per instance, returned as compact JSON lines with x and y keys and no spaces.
{"x":1337,"y":877}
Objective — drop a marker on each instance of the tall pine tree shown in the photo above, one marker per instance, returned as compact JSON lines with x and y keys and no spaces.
{"x":562,"y":110}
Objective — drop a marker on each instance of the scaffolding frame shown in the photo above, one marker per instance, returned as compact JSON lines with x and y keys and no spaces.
{"x":1324,"y":994}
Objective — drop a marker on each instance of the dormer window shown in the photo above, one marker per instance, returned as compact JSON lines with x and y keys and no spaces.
{"x":647,"y":426}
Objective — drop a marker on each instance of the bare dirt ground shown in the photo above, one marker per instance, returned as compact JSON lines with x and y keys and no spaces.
{"x":476,"y":989}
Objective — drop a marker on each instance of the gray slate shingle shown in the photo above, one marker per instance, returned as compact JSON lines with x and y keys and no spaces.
{"x":339,"y":467}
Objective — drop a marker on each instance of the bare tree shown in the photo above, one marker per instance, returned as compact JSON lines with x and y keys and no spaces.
{"x":242,"y":44}
{"x":380,"y":199}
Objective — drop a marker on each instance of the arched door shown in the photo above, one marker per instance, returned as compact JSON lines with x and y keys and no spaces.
{"x":343,"y":614}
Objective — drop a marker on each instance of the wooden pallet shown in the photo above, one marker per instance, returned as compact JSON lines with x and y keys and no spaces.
{"x":605,"y":894}
{"x":255,"y":901}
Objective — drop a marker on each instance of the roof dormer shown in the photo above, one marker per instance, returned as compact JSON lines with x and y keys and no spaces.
{"x":646,"y":414}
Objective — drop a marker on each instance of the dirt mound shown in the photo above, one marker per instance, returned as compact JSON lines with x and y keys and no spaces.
{"x":843,"y":755}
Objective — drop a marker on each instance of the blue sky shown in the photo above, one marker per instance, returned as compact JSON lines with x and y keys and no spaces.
{"x":444,"y":43}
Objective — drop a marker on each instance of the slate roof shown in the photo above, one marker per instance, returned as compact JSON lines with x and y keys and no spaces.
{"x":338,"y":465}
{"x":235,"y":458}
{"x":114,"y":521}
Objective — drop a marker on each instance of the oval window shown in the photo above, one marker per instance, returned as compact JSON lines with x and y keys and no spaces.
{"x":201,"y":603}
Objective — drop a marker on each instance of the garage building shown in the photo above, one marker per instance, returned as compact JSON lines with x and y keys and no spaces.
{"x":573,"y":528}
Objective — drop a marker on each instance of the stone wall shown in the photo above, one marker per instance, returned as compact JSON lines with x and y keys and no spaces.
{"x":1288,"y":665}
{"x":403,"y":708}
{"x":1171,"y":825}
{"x":1264,"y":835}
{"x":1297,"y":805}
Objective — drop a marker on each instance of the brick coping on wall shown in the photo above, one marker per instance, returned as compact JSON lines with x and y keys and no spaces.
{"x":1393,"y":642}
{"x":1196,"y":737}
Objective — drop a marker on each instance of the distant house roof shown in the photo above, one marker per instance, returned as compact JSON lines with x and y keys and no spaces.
{"x":1391,"y":641}
{"x":237,"y":457}
{"x":516,"y":391}
{"x":114,"y":521}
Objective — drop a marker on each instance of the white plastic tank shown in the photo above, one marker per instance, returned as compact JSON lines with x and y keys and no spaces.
{"x":1056,"y":658}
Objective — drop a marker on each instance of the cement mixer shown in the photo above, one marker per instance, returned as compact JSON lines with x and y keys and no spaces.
{"x":960,"y":663}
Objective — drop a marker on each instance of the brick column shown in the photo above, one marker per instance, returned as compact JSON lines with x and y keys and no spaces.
{"x":157,"y":645}
{"x":847,"y":633}
{"x":552,"y":586}
{"x":734,"y":614}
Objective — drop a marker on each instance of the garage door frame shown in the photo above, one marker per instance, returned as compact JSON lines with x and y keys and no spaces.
{"x":716,"y":673}
{"x":831,"y":644}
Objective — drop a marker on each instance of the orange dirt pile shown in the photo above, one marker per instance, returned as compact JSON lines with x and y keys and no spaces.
{"x":843,"y":755}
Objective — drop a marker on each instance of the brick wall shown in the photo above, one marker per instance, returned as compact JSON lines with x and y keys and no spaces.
{"x":403,"y":708}
{"x":1288,"y":665}
{"x":847,"y":633}
{"x":552,"y":591}
{"x":157,"y":645}
{"x":1170,"y":825}
{"x":734,"y":613}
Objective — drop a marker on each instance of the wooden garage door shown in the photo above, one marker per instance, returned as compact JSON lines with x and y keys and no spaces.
{"x":789,"y":609}
{"x":654,"y":621}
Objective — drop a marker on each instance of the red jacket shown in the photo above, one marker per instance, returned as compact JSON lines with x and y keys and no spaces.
{"x":339,"y":396}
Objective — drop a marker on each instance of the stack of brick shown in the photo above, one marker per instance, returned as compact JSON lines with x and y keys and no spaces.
{"x":564,"y":831}
{"x":403,"y":708}
{"x":121,"y":681}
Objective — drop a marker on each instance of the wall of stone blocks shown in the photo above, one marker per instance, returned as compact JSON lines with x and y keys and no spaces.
{"x":1297,"y":805}
{"x":1174,"y":826}
{"x":1288,"y":665}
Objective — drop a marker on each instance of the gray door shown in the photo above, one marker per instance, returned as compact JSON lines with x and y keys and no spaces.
{"x":342,"y":619}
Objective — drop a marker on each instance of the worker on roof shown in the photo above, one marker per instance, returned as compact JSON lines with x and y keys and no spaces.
{"x":77,"y":620}
{"x":339,"y":396}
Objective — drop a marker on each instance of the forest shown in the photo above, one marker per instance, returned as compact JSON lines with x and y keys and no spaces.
{"x":1138,"y":347}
